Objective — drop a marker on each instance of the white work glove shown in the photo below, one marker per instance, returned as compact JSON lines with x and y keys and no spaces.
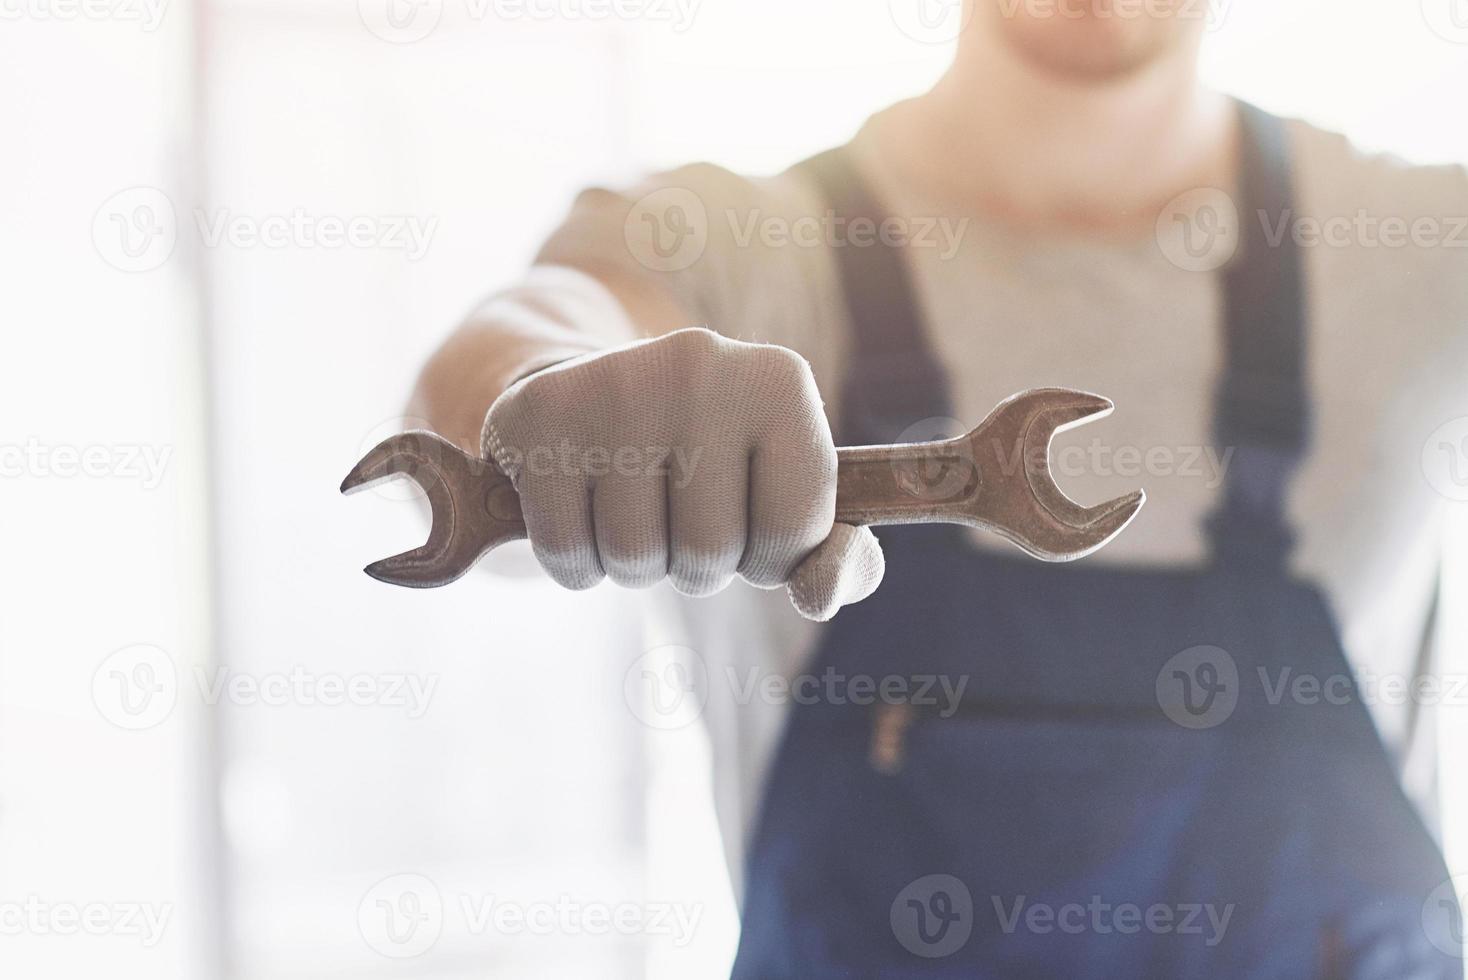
{"x":692,"y":457}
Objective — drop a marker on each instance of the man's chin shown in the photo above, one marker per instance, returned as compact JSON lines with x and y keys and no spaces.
{"x":1077,"y":54}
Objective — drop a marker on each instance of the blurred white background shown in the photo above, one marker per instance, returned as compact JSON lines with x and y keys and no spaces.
{"x":189,"y":391}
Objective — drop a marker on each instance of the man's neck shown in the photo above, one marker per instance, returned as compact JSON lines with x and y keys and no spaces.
{"x":1001,"y":137}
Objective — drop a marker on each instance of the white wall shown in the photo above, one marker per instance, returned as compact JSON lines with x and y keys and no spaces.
{"x":104,"y":812}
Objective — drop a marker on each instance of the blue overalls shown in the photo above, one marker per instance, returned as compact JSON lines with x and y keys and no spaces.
{"x":1108,"y":801}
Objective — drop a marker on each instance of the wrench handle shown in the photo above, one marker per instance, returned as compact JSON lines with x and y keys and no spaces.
{"x":913,"y":483}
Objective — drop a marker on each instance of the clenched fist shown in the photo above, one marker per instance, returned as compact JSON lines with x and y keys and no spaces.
{"x":691,"y":457}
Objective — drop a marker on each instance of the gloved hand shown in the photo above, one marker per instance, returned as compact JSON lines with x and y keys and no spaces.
{"x":692,"y":457}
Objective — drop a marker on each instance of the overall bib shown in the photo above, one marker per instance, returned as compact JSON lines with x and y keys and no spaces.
{"x":1119,"y":792}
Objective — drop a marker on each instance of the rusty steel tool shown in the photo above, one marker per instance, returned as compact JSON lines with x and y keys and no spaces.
{"x":997,"y":477}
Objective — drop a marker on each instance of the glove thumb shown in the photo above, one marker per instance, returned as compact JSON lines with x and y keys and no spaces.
{"x":845,"y":568}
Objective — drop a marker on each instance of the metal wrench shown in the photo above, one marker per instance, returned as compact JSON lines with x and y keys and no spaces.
{"x":997,"y":477}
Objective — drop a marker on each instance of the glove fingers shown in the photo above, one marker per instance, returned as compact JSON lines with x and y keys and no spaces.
{"x":845,"y":568}
{"x":631,"y":514}
{"x":707,"y":521}
{"x":561,"y":535}
{"x":705,"y":406}
{"x":792,"y":493}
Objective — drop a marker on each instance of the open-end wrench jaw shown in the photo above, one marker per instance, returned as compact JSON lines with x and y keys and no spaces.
{"x":474,"y":507}
{"x":1038,"y":516}
{"x":996,"y":477}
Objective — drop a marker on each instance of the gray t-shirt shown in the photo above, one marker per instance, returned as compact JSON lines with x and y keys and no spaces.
{"x":1386,"y":253}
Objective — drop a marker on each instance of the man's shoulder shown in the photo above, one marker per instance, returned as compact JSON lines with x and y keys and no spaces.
{"x":1386,"y":243}
{"x":709,"y":187}
{"x":1336,"y":175}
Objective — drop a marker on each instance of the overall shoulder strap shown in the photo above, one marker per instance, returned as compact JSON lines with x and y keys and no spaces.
{"x":1263,"y":407}
{"x":893,"y":382}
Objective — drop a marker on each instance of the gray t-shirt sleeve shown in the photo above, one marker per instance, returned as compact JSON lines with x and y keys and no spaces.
{"x":745,"y":256}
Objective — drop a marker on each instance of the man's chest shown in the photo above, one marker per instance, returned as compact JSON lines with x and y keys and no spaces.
{"x":1125,"y":324}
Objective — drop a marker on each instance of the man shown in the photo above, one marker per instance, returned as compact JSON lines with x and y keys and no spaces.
{"x":1126,"y":775}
